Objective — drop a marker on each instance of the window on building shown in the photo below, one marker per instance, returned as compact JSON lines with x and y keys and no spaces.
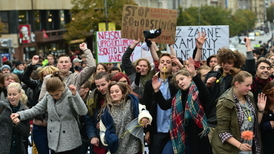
{"x":4,"y":18}
{"x":23,"y":17}
{"x":50,"y":17}
{"x":37,"y":20}
{"x":62,"y":19}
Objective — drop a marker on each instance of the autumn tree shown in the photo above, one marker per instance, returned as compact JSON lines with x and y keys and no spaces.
{"x":184,"y":19}
{"x":270,"y":13}
{"x":243,"y":20}
{"x":86,"y":14}
{"x":212,"y":15}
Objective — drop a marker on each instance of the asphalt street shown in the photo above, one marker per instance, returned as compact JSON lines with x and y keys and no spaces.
{"x":264,"y":38}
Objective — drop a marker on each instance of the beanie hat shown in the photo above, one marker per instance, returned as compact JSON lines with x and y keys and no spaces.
{"x":5,"y":66}
{"x":17,"y":63}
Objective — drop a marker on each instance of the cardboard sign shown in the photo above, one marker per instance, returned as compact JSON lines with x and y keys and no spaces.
{"x":217,"y":37}
{"x":136,"y":19}
{"x":111,"y":47}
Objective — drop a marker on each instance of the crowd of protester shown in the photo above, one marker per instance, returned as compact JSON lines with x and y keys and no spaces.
{"x":224,"y":104}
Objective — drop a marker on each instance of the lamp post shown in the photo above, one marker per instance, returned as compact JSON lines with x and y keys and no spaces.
{"x":106,"y":13}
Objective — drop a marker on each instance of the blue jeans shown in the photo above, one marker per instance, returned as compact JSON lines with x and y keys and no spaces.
{"x":168,"y":148}
{"x":40,"y":138}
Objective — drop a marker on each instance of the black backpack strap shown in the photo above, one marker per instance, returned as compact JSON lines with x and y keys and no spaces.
{"x":74,"y":113}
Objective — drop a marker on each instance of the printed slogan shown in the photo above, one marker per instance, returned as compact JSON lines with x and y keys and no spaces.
{"x":111,"y":47}
{"x":136,"y":19}
{"x":217,"y":37}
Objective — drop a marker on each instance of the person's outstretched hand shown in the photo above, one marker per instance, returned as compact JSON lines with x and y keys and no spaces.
{"x":83,"y":46}
{"x":34,"y":60}
{"x":261,"y":101}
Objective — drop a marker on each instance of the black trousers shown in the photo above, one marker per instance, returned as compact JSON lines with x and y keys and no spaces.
{"x":158,"y":142}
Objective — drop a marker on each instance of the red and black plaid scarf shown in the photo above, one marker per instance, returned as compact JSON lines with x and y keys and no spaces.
{"x":259,"y":83}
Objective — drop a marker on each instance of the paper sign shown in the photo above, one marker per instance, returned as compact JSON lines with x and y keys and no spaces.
{"x":111,"y":47}
{"x":136,"y":19}
{"x":217,"y":37}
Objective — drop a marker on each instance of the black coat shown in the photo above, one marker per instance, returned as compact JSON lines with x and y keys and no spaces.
{"x":6,"y":128}
{"x":150,"y":99}
{"x":35,"y":85}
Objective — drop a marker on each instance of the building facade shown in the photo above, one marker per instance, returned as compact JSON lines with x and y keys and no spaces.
{"x":257,"y":6}
{"x":34,"y":27}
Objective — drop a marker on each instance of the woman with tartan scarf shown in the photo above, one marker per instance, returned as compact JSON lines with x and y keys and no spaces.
{"x":188,"y":127}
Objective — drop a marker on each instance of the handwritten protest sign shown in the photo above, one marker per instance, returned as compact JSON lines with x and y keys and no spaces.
{"x":111,"y":47}
{"x":136,"y":19}
{"x":218,"y":37}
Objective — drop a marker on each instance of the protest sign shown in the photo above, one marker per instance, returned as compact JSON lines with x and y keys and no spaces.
{"x":136,"y":19}
{"x":111,"y":47}
{"x":217,"y":37}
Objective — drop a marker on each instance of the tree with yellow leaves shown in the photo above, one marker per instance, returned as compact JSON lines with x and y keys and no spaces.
{"x":86,"y":14}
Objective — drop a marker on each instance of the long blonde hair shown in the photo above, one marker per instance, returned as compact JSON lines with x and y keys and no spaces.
{"x":24,"y":97}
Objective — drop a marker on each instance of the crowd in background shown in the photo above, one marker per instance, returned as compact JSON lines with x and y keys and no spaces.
{"x":72,"y":105}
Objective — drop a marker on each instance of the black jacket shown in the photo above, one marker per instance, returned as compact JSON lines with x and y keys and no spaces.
{"x":150,"y":99}
{"x":35,"y":85}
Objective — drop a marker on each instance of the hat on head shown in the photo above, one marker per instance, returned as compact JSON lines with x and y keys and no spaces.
{"x":75,"y":60}
{"x":5,"y":66}
{"x":17,"y":63}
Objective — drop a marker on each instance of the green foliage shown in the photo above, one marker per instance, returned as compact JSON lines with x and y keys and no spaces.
{"x":270,"y":13}
{"x":210,"y":15}
{"x":184,"y":18}
{"x":88,"y":13}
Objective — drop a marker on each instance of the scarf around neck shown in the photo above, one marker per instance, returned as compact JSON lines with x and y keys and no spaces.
{"x":259,"y":83}
{"x":194,"y":110}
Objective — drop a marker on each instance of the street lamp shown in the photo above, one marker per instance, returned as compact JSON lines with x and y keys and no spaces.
{"x":106,"y":13}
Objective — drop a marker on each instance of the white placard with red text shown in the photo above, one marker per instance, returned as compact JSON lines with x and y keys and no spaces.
{"x":111,"y":47}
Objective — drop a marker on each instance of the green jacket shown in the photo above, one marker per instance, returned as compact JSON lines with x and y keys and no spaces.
{"x":227,"y":121}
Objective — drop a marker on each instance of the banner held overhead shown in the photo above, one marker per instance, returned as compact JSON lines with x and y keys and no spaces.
{"x":136,"y":19}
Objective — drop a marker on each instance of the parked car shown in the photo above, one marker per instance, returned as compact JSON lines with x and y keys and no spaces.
{"x":242,"y":40}
{"x":262,"y":32}
{"x":257,"y":33}
{"x":251,"y":36}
